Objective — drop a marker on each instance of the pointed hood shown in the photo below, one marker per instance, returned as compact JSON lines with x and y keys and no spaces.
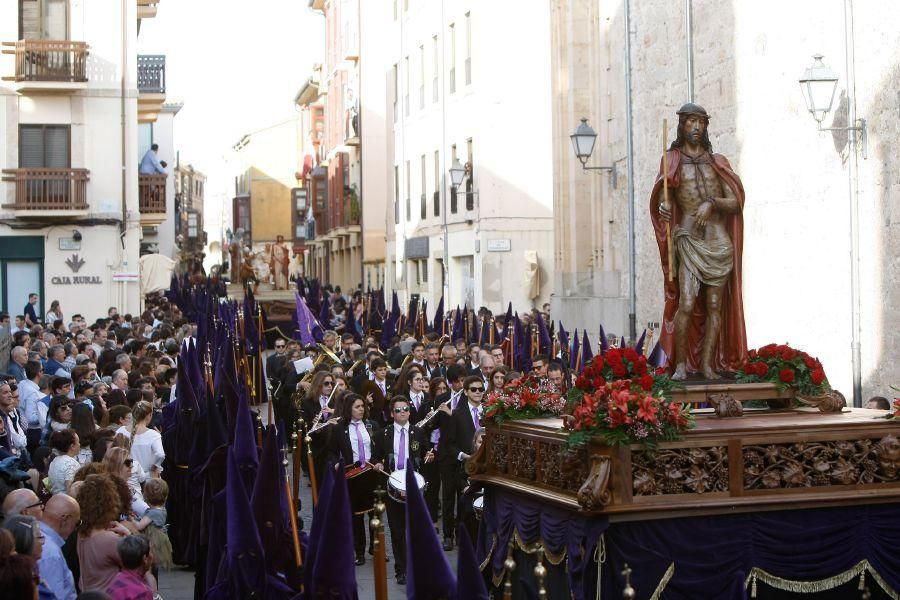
{"x":657,"y":357}
{"x":639,"y":346}
{"x":469,"y":580}
{"x":244,"y":446}
{"x":244,"y":550}
{"x":574,"y":358}
{"x":586,"y":353}
{"x":334,"y":573}
{"x":545,"y":343}
{"x":604,"y":344}
{"x":270,"y":505}
{"x":563,"y":338}
{"x":438,"y":323}
{"x":428,"y":572}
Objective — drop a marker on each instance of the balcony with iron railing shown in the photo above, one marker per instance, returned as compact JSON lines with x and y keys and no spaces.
{"x":152,"y":198}
{"x":48,"y":192}
{"x":151,"y":84}
{"x":48,"y":65}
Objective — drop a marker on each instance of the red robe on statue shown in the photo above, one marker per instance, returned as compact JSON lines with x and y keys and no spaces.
{"x":731,"y":350}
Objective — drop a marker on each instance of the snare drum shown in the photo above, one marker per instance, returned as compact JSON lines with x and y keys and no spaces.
{"x":478,"y":507}
{"x":397,"y":485}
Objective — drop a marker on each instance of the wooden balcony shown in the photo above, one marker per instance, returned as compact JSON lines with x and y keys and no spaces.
{"x":146,"y":9}
{"x":48,"y":192}
{"x":152,"y":198}
{"x":48,"y":65}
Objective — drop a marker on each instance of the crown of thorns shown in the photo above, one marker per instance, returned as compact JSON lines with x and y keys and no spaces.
{"x":693,"y":109}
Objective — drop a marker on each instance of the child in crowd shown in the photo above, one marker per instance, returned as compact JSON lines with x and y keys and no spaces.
{"x":153,"y":523}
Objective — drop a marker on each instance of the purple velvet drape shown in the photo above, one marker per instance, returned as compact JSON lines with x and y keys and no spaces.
{"x":712,"y":555}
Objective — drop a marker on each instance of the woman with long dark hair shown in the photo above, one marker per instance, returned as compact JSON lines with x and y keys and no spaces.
{"x":84,"y":425}
{"x":351,"y":440}
{"x":59,"y":416}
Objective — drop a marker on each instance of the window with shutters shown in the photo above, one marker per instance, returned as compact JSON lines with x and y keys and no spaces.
{"x":44,"y":146}
{"x":453,"y":203}
{"x":437,"y":183}
{"x":452,"y":57}
{"x":43,"y":19}
{"x":470,"y":177}
{"x":408,"y":201}
{"x":396,"y":195}
{"x":423,"y":210}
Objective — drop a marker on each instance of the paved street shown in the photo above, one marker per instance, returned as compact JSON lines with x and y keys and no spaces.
{"x":178,"y":584}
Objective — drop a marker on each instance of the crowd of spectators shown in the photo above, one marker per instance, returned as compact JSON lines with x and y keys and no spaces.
{"x":81,"y":455}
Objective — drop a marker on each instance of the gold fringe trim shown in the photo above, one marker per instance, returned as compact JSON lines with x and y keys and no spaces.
{"x":667,"y":576}
{"x":490,"y":555}
{"x":829,"y":583}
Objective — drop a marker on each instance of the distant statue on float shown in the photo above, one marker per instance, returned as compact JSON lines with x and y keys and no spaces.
{"x":701,"y":225}
{"x":280,"y":259}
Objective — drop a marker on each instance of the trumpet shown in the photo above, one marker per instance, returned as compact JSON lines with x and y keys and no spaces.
{"x":352,"y":369}
{"x":324,"y":354}
{"x":431,"y":415}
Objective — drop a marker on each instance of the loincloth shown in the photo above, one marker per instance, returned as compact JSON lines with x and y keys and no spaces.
{"x":709,"y":262}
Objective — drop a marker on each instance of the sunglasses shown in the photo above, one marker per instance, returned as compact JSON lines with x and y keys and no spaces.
{"x":401,"y":409}
{"x":476,"y":389}
{"x":327,"y":383}
{"x":128,"y":462}
{"x":279,"y":345}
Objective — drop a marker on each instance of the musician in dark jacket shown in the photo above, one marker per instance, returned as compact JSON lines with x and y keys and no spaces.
{"x":447,"y":463}
{"x":316,"y":404}
{"x":352,"y":440}
{"x":398,"y":443}
{"x":380,"y":392}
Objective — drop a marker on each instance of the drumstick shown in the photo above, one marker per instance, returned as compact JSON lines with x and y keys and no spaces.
{"x":666,"y":197}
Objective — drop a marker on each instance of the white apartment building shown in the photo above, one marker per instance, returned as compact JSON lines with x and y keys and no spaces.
{"x":71,"y":99}
{"x":461,"y":84}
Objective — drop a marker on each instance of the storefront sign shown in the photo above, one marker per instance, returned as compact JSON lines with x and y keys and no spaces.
{"x":76,"y":280}
{"x":417,"y":247}
{"x":125,"y":277}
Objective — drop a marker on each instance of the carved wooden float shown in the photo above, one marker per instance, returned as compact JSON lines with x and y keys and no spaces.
{"x":766,"y":460}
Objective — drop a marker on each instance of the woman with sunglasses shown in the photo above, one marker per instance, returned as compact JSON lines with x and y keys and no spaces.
{"x":316,"y":403}
{"x":59,"y":416}
{"x":120,"y":464}
{"x":351,"y":441}
{"x":62,"y":469}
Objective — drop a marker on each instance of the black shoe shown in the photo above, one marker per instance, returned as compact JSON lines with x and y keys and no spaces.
{"x":371,"y":551}
{"x":448,"y":544}
{"x":401,"y":579}
{"x":360,"y":560}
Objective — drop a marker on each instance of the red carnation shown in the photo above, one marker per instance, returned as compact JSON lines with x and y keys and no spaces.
{"x":809,"y":361}
{"x":761,"y":369}
{"x":631,"y":354}
{"x":613,"y":356}
{"x":752,"y":354}
{"x":588,"y":372}
{"x":582,"y":382}
{"x":597,"y":362}
{"x":788,"y":354}
{"x":786,"y":375}
{"x":619,"y":370}
{"x":660,"y":370}
{"x":646,"y":383}
{"x":817,"y":376}
{"x":640,"y":367}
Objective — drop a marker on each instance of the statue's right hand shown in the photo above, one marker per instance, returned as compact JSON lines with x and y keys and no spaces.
{"x":665,"y":212}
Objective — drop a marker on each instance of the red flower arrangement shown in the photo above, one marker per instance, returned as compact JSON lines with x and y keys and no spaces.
{"x":785,"y":366}
{"x":623,"y":411}
{"x":623,"y":399}
{"x":525,"y":398}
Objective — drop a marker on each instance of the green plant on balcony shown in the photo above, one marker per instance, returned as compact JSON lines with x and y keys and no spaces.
{"x":353,"y":203}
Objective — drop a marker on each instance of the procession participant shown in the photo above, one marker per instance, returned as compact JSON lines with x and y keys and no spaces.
{"x":396,"y":446}
{"x":485,"y":369}
{"x":432,"y":361}
{"x":557,"y":375}
{"x":346,"y":355}
{"x":316,"y":403}
{"x":472,"y":353}
{"x":459,"y":432}
{"x":276,"y":361}
{"x":447,"y":463}
{"x":498,"y":379}
{"x":417,"y":384}
{"x":539,"y":365}
{"x":351,"y":441}
{"x":418,"y":355}
{"x":363,"y":374}
{"x":378,"y":391}
{"x":448,"y":358}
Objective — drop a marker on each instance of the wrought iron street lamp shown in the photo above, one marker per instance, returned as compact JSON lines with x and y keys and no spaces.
{"x":818,"y":85}
{"x":457,"y":173}
{"x":583,"y":141}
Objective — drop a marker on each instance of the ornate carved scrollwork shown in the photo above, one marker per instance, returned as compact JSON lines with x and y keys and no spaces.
{"x":595,"y":494}
{"x":726,"y":405}
{"x":830,"y":401}
{"x":550,"y":472}
{"x":498,"y":452}
{"x":820,"y":464}
{"x":522,"y":454}
{"x":680,"y":471}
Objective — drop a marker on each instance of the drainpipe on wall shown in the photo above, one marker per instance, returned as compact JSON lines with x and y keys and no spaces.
{"x":853,"y":185}
{"x":629,"y":144}
{"x":123,"y":226}
{"x":689,"y":50}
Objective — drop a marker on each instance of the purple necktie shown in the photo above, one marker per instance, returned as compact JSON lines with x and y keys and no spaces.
{"x":360,"y":446}
{"x":401,"y":461}
{"x":475,"y":417}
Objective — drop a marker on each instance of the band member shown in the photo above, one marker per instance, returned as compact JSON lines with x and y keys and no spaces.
{"x":557,"y":376}
{"x":539,"y":365}
{"x":398,"y":443}
{"x":459,"y":432}
{"x":473,"y":352}
{"x":432,"y":361}
{"x":351,"y":440}
{"x":316,"y":404}
{"x":418,"y":354}
{"x":419,"y":403}
{"x":377,"y":390}
{"x":447,"y":463}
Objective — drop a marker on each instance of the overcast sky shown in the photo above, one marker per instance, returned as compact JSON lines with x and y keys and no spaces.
{"x":236,"y":66}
